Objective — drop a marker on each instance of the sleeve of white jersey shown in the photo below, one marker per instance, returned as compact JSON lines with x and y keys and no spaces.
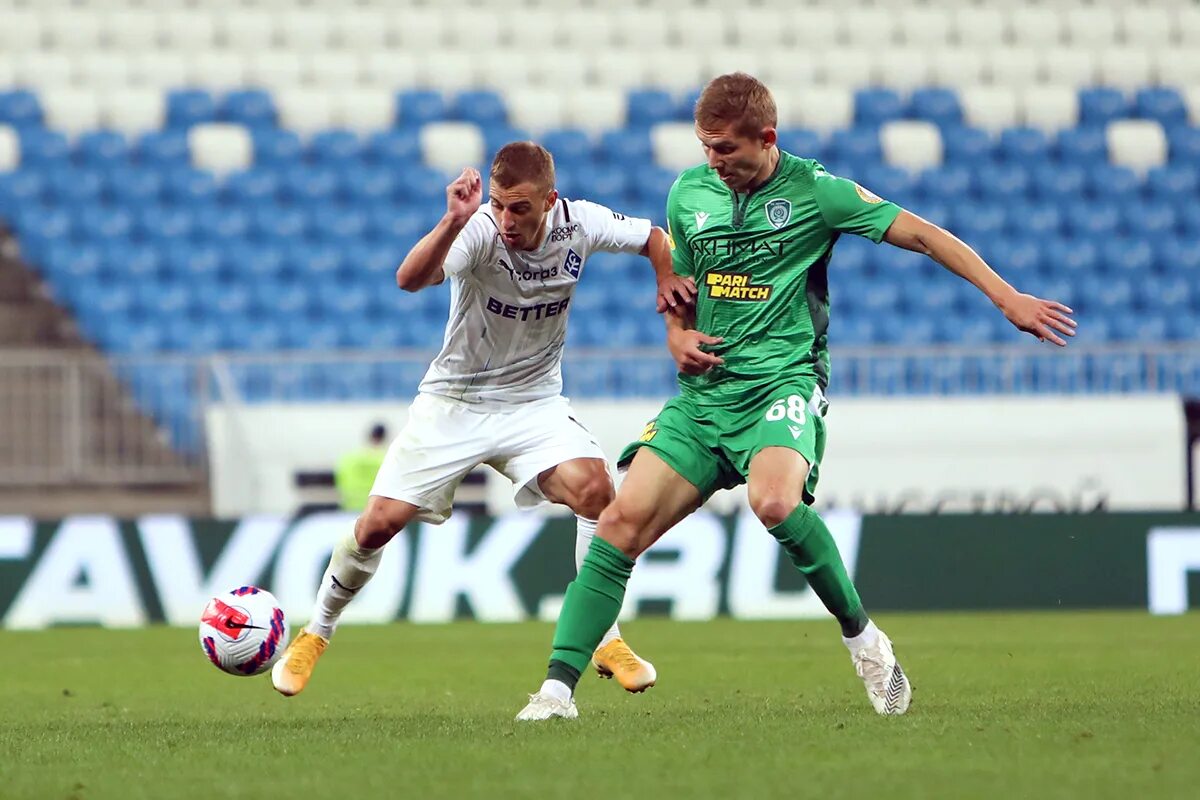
{"x":610,"y":232}
{"x":469,"y":246}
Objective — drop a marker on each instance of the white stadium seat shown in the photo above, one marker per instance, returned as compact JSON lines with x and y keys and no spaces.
{"x":1187,"y":24}
{"x":596,"y":109}
{"x":868,"y":26}
{"x":617,"y":70}
{"x":1050,"y":108}
{"x":809,"y":26}
{"x":1069,"y":67}
{"x":924,"y":26}
{"x":190,"y":31}
{"x":217,"y":71}
{"x":390,"y":69}
{"x":10,"y":149}
{"x":8,"y":74}
{"x":305,"y":111}
{"x":1146,"y":27}
{"x":72,"y":111}
{"x":992,"y":108}
{"x":102,"y":69}
{"x":1191,"y":99}
{"x":451,"y":146}
{"x":44,"y":69}
{"x":473,"y":30}
{"x":422,"y":29}
{"x":957,"y":66}
{"x":643,"y":28}
{"x":131,"y":29}
{"x":250,"y":31}
{"x":590,"y":30}
{"x":675,"y":70}
{"x":1013,"y":66}
{"x":820,"y":108}
{"x":73,"y":29}
{"x":363,"y":110}
{"x":220,"y":148}
{"x":1139,"y":144}
{"x":449,"y":70}
{"x":904,"y":68}
{"x":759,"y":28}
{"x":702,"y":28}
{"x":305,"y":30}
{"x":979,"y":26}
{"x":567,"y":70}
{"x":1091,"y":26}
{"x":1035,"y":25}
{"x":784,"y":67}
{"x":134,"y":111}
{"x":724,"y":60}
{"x":20,"y":31}
{"x":360,"y":29}
{"x":534,"y":25}
{"x":160,"y":69}
{"x":1177,"y":66}
{"x":535,"y":110}
{"x":275,"y":69}
{"x":336,"y":69}
{"x":1124,"y":67}
{"x":912,"y":144}
{"x":674,"y":145}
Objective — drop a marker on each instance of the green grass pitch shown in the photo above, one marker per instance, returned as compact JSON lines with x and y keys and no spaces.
{"x":1032,"y":705}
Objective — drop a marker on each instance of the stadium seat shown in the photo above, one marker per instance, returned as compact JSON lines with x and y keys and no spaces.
{"x":1139,"y":144}
{"x":990,"y":108}
{"x":10,"y":149}
{"x":220,"y":147}
{"x":674,"y":145}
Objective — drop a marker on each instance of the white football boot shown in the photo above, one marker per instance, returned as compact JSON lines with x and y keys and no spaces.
{"x":888,"y":687}
{"x":544,"y":706}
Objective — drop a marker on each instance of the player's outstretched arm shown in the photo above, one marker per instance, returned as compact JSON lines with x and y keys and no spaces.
{"x":673,"y":290}
{"x":423,"y":265}
{"x":1041,"y":318}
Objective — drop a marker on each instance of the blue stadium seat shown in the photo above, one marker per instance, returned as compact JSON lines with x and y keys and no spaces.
{"x":396,"y":147}
{"x":1099,"y":105}
{"x":571,"y":147}
{"x":629,"y":148}
{"x":966,"y":145}
{"x":162,"y":149}
{"x":417,"y":106}
{"x":287,"y":300}
{"x":310,"y":185}
{"x":188,"y":107}
{"x":1059,"y":183}
{"x":1180,"y":256}
{"x":20,"y":189}
{"x":1108,"y":181}
{"x":335,"y":148}
{"x":652,"y":184}
{"x":876,"y":105}
{"x":20,"y":108}
{"x":803,"y":142}
{"x":974,"y":221}
{"x":1093,"y":219}
{"x":424,"y":186}
{"x":1173,"y":184}
{"x":395,"y":224}
{"x":937,"y":105}
{"x":187,"y":185}
{"x":1105,"y":294}
{"x":851,"y":329}
{"x":101,"y":149}
{"x":1183,"y":327}
{"x":198,"y":336}
{"x":1081,"y":145}
{"x":99,"y":224}
{"x":251,"y":186}
{"x":1002,"y":182}
{"x":648,"y":107}
{"x":1161,"y":103}
{"x":1140,"y":328}
{"x":187,"y":261}
{"x":1035,"y":218}
{"x":1015,"y":257}
{"x":894,"y":183}
{"x":312,"y":262}
{"x":1189,"y":218}
{"x":1149,"y":218}
{"x":73,"y":186}
{"x":1171,"y":295}
{"x":1127,"y":256}
{"x":859,"y":145}
{"x":1071,"y":257}
{"x":219,"y":224}
{"x":1184,"y":145}
{"x":161,"y":223}
{"x":135,"y":262}
{"x":340,"y":226}
{"x":1023,"y":145}
{"x":41,"y":148}
{"x":367,"y":185}
{"x":253,"y":108}
{"x":276,"y":148}
{"x":133,"y":187}
{"x":483,"y":107}
{"x":497,"y":136}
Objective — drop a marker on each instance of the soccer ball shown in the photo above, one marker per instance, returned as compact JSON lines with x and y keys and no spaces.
{"x":243,"y":632}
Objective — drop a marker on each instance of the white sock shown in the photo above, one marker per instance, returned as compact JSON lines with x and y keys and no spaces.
{"x":585,"y":529}
{"x":867,"y":638}
{"x":350,"y":567}
{"x":556,"y":689}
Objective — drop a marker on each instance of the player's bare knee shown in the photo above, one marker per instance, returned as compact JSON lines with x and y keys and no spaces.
{"x":593,"y":496}
{"x":376,"y":527}
{"x":621,"y":529}
{"x":772,"y":509}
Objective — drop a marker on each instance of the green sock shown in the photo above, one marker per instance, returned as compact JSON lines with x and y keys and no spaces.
{"x":811,"y":547}
{"x":590,"y":607}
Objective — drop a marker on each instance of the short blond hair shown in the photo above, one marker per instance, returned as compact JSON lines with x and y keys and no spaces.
{"x":523,"y":162}
{"x":737,"y":99}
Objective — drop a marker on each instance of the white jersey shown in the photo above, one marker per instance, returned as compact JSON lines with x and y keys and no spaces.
{"x":508,"y":308}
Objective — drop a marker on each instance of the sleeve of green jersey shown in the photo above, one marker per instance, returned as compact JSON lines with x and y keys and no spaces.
{"x":681,"y":254}
{"x":849,"y":208}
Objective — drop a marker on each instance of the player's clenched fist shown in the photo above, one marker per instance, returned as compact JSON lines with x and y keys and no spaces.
{"x":464,"y":195}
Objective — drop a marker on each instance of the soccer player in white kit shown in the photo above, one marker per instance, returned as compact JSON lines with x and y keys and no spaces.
{"x":493,"y":395}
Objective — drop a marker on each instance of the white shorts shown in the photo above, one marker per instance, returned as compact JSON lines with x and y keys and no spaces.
{"x":444,"y":440}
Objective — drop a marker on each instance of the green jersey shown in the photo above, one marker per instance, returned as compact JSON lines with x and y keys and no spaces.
{"x":760,"y":262}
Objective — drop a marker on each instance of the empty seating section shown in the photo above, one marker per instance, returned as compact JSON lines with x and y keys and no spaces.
{"x":227,"y":175}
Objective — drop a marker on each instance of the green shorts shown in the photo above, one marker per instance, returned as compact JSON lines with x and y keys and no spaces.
{"x":711,"y":447}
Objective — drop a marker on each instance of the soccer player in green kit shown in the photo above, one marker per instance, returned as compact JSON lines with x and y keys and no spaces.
{"x":755,"y":228}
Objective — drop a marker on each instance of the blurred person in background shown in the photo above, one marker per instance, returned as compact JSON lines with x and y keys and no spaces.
{"x":355,"y":472}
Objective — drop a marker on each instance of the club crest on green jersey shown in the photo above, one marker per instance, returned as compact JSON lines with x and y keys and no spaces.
{"x":779,"y":211}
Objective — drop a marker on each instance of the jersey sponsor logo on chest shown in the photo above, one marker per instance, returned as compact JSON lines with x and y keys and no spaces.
{"x":734,"y":286}
{"x":523,"y":272}
{"x":737,"y":247}
{"x":531,"y":313}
